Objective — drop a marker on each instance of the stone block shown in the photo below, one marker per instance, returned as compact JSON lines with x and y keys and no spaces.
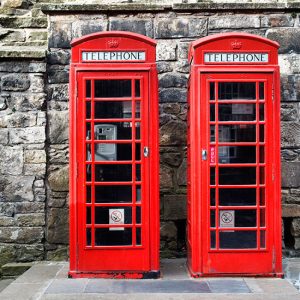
{"x":60,"y":34}
{"x":166,"y":177}
{"x":30,"y":220}
{"x":37,"y":83}
{"x":288,"y":155}
{"x":168,"y":80}
{"x":23,"y":22}
{"x":233,"y":21}
{"x":56,"y":202}
{"x":39,"y":183}
{"x":12,"y":3}
{"x":172,"y":95}
{"x":173,"y":133}
{"x":7,"y":208}
{"x":58,"y":226}
{"x":58,"y":254}
{"x":295,"y":227}
{"x":59,"y":57}
{"x":14,"y":269}
{"x":37,"y":35}
{"x":144,"y":26}
{"x":290,"y":174}
{"x":4,"y":136}
{"x":180,"y":27}
{"x":168,"y":231}
{"x":277,"y":20}
{"x":58,"y":122}
{"x":12,"y":35}
{"x":11,"y":161}
{"x":29,"y":207}
{"x":38,"y":170}
{"x":163,"y":67}
{"x":58,"y":74}
{"x":15,"y":82}
{"x":26,"y":101}
{"x":289,"y":63}
{"x":59,"y":179}
{"x":3,"y":104}
{"x":288,"y":39}
{"x":166,"y":50}
{"x":41,"y":118}
{"x":171,"y":158}
{"x":22,"y":67}
{"x":7,"y":254}
{"x":171,"y":108}
{"x":59,"y":154}
{"x":174,"y":207}
{"x":59,"y":92}
{"x":26,"y":253}
{"x":18,"y":119}
{"x":290,"y":134}
{"x":28,"y":135}
{"x":289,"y":111}
{"x":7,"y":221}
{"x":290,"y":210}
{"x":16,"y":188}
{"x":21,"y":235}
{"x":84,"y":27}
{"x":290,"y":199}
{"x":35,"y":156}
{"x":290,"y":87}
{"x":182,"y":66}
{"x":182,"y":173}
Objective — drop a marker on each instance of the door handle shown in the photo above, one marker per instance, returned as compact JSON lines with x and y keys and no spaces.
{"x":204,"y":154}
{"x":146,"y":151}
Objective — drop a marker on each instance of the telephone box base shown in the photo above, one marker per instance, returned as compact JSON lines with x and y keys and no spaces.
{"x":116,"y":275}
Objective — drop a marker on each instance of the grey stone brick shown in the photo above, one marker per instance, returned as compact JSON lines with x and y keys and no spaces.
{"x":173,"y":133}
{"x":84,"y":27}
{"x":15,"y":82}
{"x":277,"y":20}
{"x":166,"y":177}
{"x":59,"y":179}
{"x":59,"y":57}
{"x":233,"y":21}
{"x":172,"y":95}
{"x":11,"y":161}
{"x":26,"y":101}
{"x":290,"y":134}
{"x":21,"y":235}
{"x":174,"y":207}
{"x":166,"y":50}
{"x":172,"y":80}
{"x":60,"y":34}
{"x":35,"y":156}
{"x":290,"y":87}
{"x":4,"y":136}
{"x":57,"y":226}
{"x":58,"y":74}
{"x":28,"y":135}
{"x":30,"y":220}
{"x":289,"y":111}
{"x":182,"y":173}
{"x":58,"y":122}
{"x":290,"y":174}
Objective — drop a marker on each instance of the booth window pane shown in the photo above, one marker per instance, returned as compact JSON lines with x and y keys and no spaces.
{"x":138,"y":151}
{"x":262,"y":217}
{"x":237,"y":176}
{"x":237,"y":197}
{"x":238,"y":239}
{"x":113,"y":131}
{"x":111,"y":152}
{"x":212,"y":175}
{"x":261,"y":91}
{"x":138,"y":172}
{"x":261,"y":112}
{"x":88,"y":215}
{"x":138,"y":193}
{"x":88,"y":172}
{"x":88,"y":236}
{"x":213,"y":240}
{"x":212,"y":91}
{"x":242,"y":218}
{"x":262,"y":196}
{"x":88,"y":89}
{"x":113,"y":237}
{"x":88,"y":109}
{"x":137,"y":88}
{"x":236,"y":90}
{"x":212,"y":133}
{"x":113,"y":173}
{"x":237,"y":112}
{"x":137,"y":109}
{"x":237,"y":133}
{"x":88,"y":194}
{"x":212,"y":112}
{"x":113,"y":194}
{"x":113,"y":109}
{"x":212,"y":218}
{"x":112,"y":88}
{"x":138,"y":215}
{"x":261,"y":154}
{"x":105,"y":215}
{"x":138,"y":236}
{"x":261,"y":133}
{"x":237,"y":154}
{"x":263,"y":239}
{"x":88,"y":131}
{"x":212,"y":197}
{"x":137,"y":131}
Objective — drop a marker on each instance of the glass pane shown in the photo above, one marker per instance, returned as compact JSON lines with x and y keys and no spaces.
{"x":238,"y":239}
{"x":263,"y":239}
{"x":113,"y":194}
{"x":138,"y":236}
{"x":137,"y":151}
{"x":138,"y":215}
{"x":88,"y":172}
{"x":88,"y":236}
{"x":212,"y":197}
{"x":261,"y":154}
{"x":236,"y":90}
{"x":113,"y":173}
{"x":212,"y":91}
{"x":113,"y":131}
{"x":113,"y":215}
{"x":262,"y":217}
{"x":112,"y":152}
{"x":138,"y":172}
{"x":212,"y":239}
{"x":113,"y":109}
{"x":261,"y":91}
{"x":88,"y":194}
{"x":111,"y":237}
{"x":138,"y":194}
{"x":88,"y":89}
{"x":212,"y":176}
{"x":237,"y":133}
{"x":237,"y":197}
{"x":262,"y":196}
{"x":262,"y":175}
{"x":261,"y":112}
{"x":240,"y":218}
{"x":88,"y":131}
{"x":112,"y":88}
{"x":88,"y":110}
{"x":212,"y":218}
{"x":212,"y":133}
{"x":237,"y":154}
{"x":137,"y":109}
{"x":88,"y":215}
{"x":137,"y":88}
{"x":237,"y":112}
{"x":212,"y":112}
{"x":237,"y":176}
{"x":261,"y":133}
{"x":137,"y":131}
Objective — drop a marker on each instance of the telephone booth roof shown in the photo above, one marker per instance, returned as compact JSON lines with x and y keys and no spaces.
{"x":114,"y":41}
{"x":232,"y":42}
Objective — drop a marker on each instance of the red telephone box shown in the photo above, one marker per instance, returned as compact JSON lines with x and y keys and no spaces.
{"x":114,"y":188}
{"x":234,"y":212}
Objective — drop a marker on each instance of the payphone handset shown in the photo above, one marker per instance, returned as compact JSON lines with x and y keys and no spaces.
{"x":105,"y":151}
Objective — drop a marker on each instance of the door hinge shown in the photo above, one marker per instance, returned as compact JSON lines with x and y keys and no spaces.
{"x":146,"y":152}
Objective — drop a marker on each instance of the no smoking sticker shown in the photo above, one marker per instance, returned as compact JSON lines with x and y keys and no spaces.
{"x":116,"y":216}
{"x":226,"y":218}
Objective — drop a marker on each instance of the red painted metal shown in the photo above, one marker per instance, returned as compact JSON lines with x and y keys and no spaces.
{"x":207,"y":255}
{"x":136,"y":259}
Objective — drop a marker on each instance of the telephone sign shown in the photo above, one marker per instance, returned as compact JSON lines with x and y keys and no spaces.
{"x":234,"y":212}
{"x":114,"y":214}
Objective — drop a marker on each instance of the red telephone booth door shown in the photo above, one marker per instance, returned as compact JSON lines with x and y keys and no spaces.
{"x":113,"y":166}
{"x":237,"y":173}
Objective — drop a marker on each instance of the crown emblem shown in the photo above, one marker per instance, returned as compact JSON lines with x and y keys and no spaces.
{"x":236,"y":44}
{"x":113,"y":43}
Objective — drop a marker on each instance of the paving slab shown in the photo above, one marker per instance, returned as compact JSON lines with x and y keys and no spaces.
{"x":5,"y":283}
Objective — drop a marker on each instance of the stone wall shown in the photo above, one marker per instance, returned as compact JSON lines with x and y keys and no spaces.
{"x":34,"y":117}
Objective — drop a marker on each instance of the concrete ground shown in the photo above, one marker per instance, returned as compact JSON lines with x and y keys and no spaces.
{"x":48,"y":281}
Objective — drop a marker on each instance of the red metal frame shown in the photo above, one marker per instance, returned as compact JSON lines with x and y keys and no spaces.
{"x":133,"y":261}
{"x":204,"y":260}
